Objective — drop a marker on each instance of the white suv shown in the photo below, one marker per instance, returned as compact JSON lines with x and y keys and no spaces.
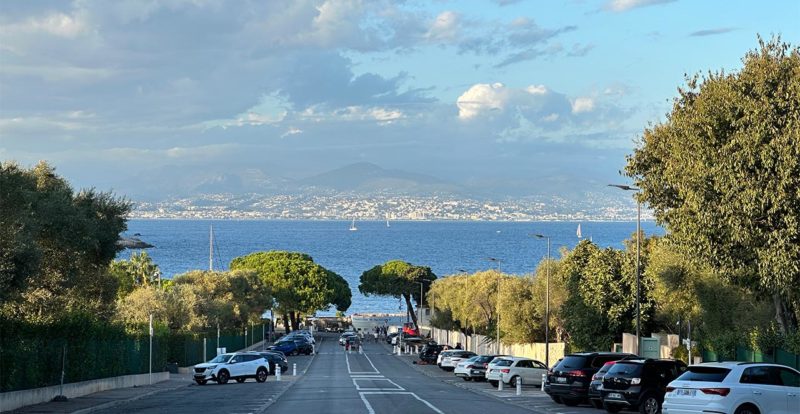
{"x":734,"y":387}
{"x":238,"y":366}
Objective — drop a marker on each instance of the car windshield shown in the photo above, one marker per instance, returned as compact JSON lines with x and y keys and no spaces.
{"x":706,"y":374}
{"x":605,"y":368}
{"x":221,"y":358}
{"x":572,"y":362}
{"x":625,"y":370}
{"x":504,"y":363}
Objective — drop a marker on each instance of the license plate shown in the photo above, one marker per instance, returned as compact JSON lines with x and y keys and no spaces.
{"x":615,"y":395}
{"x":561,"y":379}
{"x":685,"y":392}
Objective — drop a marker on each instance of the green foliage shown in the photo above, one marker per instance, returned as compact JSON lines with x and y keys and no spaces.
{"x":471,"y":300}
{"x":55,"y":245}
{"x":722,"y":173}
{"x":397,"y":278}
{"x":680,"y":352}
{"x":298,"y":284}
{"x":138,"y":271}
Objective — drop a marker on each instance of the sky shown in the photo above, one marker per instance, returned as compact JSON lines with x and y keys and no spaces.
{"x":519,"y":96}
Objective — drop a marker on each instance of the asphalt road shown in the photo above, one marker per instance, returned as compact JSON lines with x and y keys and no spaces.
{"x":378,"y":382}
{"x":335,"y":381}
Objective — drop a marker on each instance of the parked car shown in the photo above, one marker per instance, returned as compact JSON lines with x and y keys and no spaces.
{"x":452,"y":359}
{"x":390,"y":338}
{"x":734,"y":387}
{"x":293,"y":347}
{"x":474,"y":368}
{"x":639,"y":384}
{"x":239,"y":366}
{"x":595,"y":397}
{"x":493,"y":369}
{"x":430,"y":352}
{"x":301,"y":335}
{"x":568,"y":381}
{"x":443,"y":354}
{"x":275,"y":360}
{"x":529,"y":371}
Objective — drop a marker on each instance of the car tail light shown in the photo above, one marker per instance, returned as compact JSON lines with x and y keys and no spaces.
{"x":722,"y":392}
{"x":576,"y":373}
{"x":670,"y":389}
{"x":470,"y":366}
{"x":486,"y":365}
{"x":594,"y":377}
{"x":505,"y":371}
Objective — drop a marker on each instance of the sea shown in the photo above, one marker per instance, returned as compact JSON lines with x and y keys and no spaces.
{"x":447,"y":247}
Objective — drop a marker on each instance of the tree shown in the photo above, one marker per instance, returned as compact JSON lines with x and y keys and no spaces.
{"x":397,"y":278}
{"x":299,"y":285}
{"x":55,"y":245}
{"x":130,"y":274}
{"x":722,"y":174}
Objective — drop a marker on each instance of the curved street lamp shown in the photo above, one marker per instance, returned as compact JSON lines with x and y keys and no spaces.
{"x":499,"y":279}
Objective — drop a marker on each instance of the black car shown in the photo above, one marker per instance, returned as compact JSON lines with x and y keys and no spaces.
{"x":430,"y":352}
{"x":639,"y":384}
{"x":275,"y":360}
{"x":595,"y":397}
{"x":568,"y":381}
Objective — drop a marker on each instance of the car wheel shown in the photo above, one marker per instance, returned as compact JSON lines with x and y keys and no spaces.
{"x":201,"y":382}
{"x":241,"y":380}
{"x":513,"y":382}
{"x":597,"y":404}
{"x":570,"y":402}
{"x":556,"y":399}
{"x":649,"y":405}
{"x":612,"y":408}
{"x":747,"y":409}
{"x":467,"y":378}
{"x":223,"y":377}
{"x":261,"y":375}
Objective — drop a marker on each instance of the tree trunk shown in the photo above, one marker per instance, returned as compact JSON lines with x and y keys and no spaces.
{"x":286,"y":328}
{"x":785,"y":316}
{"x":411,"y":312}
{"x":295,"y":320}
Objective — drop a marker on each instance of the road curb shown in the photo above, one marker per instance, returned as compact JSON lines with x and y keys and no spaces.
{"x":283,"y":391}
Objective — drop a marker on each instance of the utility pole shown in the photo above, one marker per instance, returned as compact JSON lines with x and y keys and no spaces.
{"x":638,"y":261}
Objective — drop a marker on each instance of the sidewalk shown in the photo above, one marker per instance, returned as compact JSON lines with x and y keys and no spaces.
{"x":107,"y":399}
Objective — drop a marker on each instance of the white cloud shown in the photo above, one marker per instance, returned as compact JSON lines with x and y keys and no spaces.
{"x":291,"y":131}
{"x":446,"y":28}
{"x":56,"y":24}
{"x":482,"y":98}
{"x":582,"y":104}
{"x":625,"y":5}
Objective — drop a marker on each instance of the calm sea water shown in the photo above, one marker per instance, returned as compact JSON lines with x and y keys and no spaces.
{"x":446,"y":247}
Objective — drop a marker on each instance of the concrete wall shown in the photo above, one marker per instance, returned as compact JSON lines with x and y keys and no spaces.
{"x":16,"y":399}
{"x":483,"y":345}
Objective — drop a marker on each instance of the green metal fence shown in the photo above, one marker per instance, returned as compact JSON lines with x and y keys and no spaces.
{"x":779,"y":356}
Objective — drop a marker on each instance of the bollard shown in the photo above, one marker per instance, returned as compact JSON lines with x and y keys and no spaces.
{"x":544,"y":378}
{"x":277,"y":374}
{"x":519,"y":386}
{"x":361,"y":350}
{"x":294,"y":369}
{"x":500,"y":383}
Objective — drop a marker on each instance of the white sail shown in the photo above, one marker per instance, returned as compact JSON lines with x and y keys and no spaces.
{"x":579,"y":231}
{"x":353,"y":226}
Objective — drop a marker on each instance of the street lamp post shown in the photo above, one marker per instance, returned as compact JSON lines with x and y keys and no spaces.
{"x":419,"y":305}
{"x":499,"y":279}
{"x":638,"y":259}
{"x":547,"y":304}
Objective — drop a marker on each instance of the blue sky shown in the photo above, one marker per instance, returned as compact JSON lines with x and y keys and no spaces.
{"x":521,"y":96}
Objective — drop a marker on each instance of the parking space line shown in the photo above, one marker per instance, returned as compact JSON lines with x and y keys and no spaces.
{"x":350,"y":371}
{"x":359,"y":388}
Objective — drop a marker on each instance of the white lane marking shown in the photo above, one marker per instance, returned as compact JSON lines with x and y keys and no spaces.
{"x":350,"y":371}
{"x":359,"y":388}
{"x":372,"y":411}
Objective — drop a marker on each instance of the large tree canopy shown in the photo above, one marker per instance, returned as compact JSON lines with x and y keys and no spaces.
{"x":398,"y":279}
{"x":55,"y":245}
{"x":298,"y":284}
{"x":722,"y":173}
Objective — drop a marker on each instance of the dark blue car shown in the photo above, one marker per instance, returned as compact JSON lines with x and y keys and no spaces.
{"x":293,"y":347}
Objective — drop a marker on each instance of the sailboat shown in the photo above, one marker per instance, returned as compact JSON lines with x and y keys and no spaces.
{"x":387,"y":221}
{"x":579,"y":231}
{"x":211,"y":247}
{"x":353,"y":226}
